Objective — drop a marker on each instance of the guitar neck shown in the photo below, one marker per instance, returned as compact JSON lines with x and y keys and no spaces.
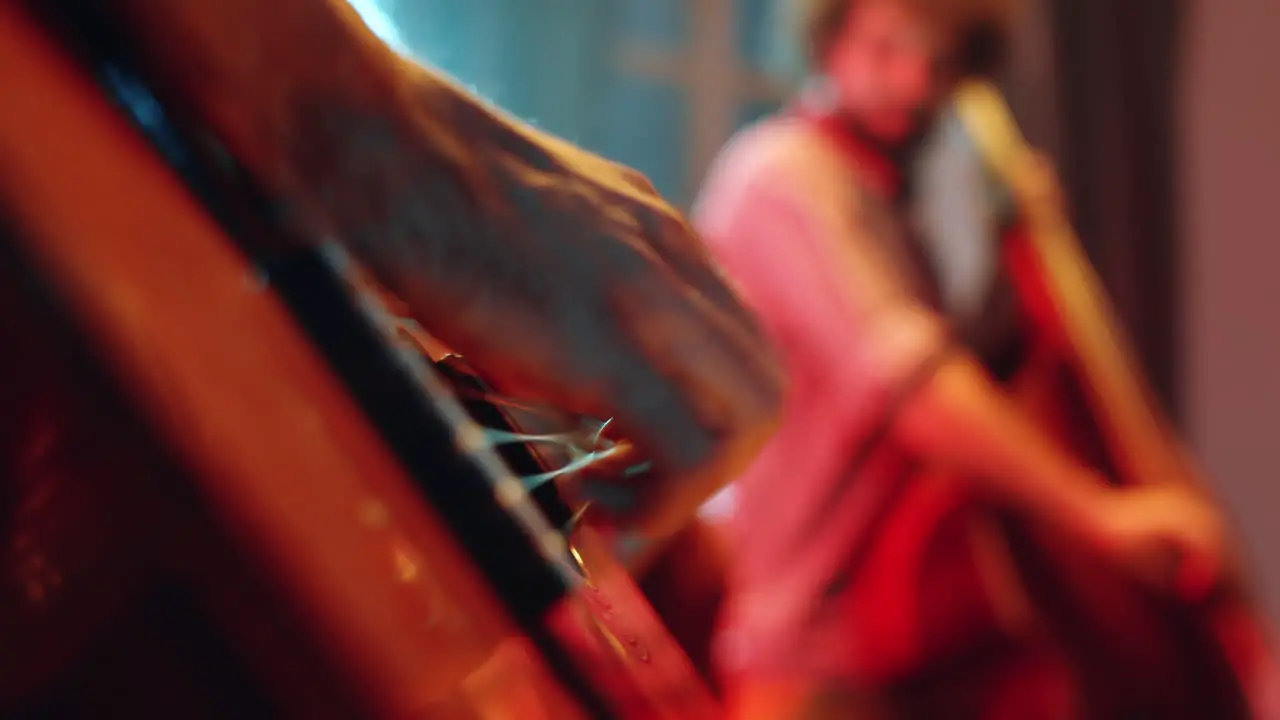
{"x":1139,"y":440}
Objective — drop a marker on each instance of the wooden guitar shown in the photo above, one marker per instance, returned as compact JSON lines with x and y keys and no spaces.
{"x":229,"y":487}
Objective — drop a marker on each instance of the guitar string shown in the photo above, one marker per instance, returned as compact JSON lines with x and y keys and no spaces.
{"x":478,"y":443}
{"x":585,"y":447}
{"x":601,"y":447}
{"x":469,"y":437}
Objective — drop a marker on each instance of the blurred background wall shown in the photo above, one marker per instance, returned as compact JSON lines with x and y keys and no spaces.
{"x":1163,"y":116}
{"x":657,"y":84}
{"x":1229,"y":160}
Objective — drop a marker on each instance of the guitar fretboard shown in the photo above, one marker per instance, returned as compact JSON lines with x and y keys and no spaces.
{"x":470,"y":439}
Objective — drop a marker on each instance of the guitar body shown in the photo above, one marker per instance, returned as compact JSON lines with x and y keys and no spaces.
{"x":209,"y":511}
{"x":973,"y":613}
{"x":1106,"y":646}
{"x":1130,"y":651}
{"x":1117,"y":648}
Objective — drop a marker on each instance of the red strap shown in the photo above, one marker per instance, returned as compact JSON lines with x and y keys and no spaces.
{"x":874,"y":167}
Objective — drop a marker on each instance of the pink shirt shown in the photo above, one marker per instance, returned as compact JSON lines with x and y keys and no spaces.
{"x":783,"y":214}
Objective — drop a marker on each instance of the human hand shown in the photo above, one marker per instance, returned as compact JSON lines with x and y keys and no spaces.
{"x":559,"y":275}
{"x":1167,"y":535}
{"x":569,"y":281}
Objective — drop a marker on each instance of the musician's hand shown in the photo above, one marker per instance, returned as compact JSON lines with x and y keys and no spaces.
{"x":559,"y":275}
{"x":1167,"y":535}
{"x":569,"y":280}
{"x":556,"y":273}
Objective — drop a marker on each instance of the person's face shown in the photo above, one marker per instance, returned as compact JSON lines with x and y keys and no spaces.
{"x":885,"y":66}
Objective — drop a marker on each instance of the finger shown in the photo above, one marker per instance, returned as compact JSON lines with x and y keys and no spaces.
{"x":638,"y":180}
{"x":669,"y":235}
{"x":678,"y":245}
{"x":701,"y":398}
{"x":652,"y":412}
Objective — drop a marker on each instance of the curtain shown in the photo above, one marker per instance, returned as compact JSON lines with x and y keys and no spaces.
{"x":1093,"y":82}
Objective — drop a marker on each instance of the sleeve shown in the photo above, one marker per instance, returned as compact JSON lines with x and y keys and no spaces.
{"x":797,"y":245}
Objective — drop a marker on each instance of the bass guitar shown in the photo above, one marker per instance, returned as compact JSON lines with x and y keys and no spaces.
{"x":233,"y":485}
{"x":1134,"y":651}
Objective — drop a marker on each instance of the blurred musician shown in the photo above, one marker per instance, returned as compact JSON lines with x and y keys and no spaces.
{"x":889,"y":373}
